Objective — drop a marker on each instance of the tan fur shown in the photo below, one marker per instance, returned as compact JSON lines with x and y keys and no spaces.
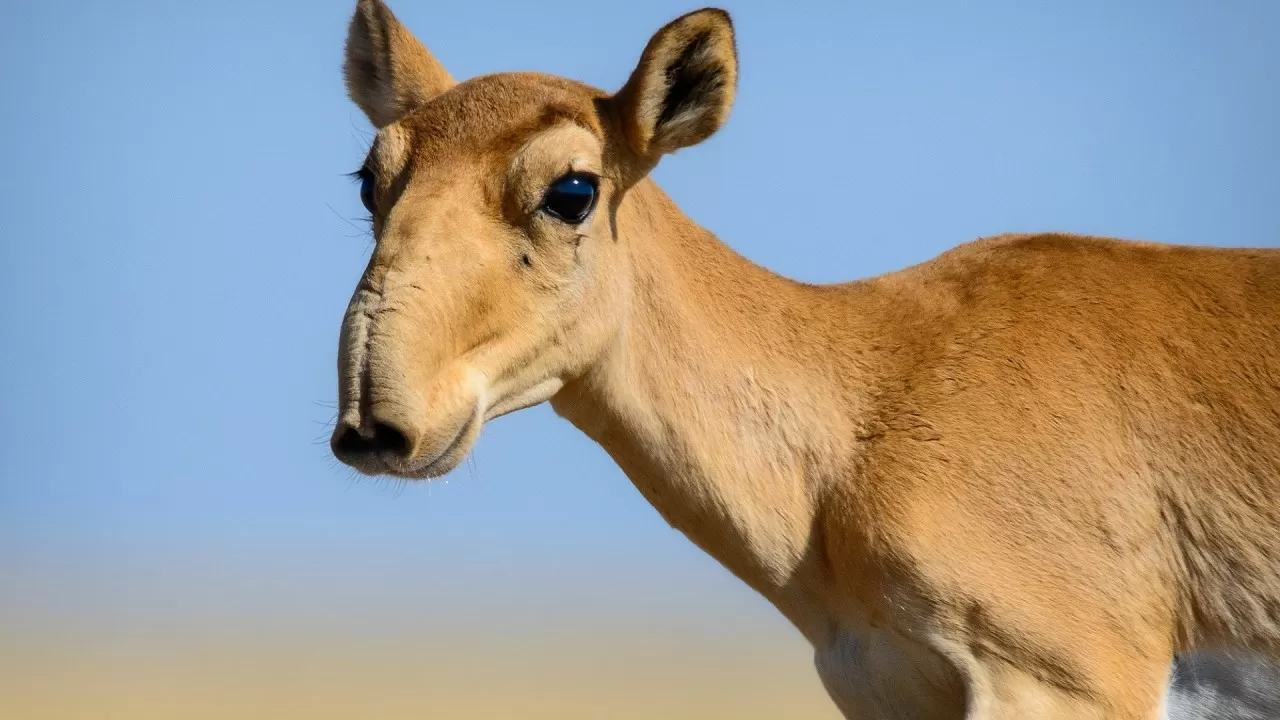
{"x":1012,"y":481}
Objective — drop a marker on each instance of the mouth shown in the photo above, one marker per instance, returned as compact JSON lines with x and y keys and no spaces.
{"x":447,"y":459}
{"x":428,"y":463}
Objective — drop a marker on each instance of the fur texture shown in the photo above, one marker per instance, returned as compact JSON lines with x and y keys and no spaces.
{"x":1013,"y":481}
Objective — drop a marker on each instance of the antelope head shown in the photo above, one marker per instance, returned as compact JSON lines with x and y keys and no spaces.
{"x":499,"y":274}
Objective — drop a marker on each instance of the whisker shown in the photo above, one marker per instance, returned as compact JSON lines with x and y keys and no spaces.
{"x":360,"y":131}
{"x":345,"y":220}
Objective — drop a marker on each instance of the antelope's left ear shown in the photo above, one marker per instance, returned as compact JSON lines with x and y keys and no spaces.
{"x":682,"y":89}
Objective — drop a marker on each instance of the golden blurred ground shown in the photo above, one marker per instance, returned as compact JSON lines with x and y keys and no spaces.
{"x":222,"y":673}
{"x":335,"y":629}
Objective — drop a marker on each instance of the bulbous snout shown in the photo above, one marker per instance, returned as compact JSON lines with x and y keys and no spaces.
{"x":423,"y":353}
{"x":402,"y":410}
{"x":381,"y":440}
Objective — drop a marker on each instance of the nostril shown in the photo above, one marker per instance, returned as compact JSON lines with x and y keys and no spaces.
{"x":386,"y":437}
{"x":351,"y":442}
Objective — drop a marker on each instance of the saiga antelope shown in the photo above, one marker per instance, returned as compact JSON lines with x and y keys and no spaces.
{"x":1010,"y":482}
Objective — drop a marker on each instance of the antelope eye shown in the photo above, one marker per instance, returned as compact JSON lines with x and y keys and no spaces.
{"x":366,"y":190}
{"x":572,"y":197}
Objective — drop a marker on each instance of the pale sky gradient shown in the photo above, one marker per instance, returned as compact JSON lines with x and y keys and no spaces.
{"x":181,"y":240}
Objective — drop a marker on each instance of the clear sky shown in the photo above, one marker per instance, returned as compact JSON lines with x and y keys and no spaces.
{"x":180,"y":242}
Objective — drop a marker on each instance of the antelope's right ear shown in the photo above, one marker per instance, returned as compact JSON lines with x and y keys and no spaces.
{"x":681,"y":90}
{"x":388,"y":72}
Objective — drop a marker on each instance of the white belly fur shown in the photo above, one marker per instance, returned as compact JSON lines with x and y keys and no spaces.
{"x":871,"y":675}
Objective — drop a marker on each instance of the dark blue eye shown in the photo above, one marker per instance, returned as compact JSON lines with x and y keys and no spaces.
{"x":572,"y":197}
{"x":366,"y":190}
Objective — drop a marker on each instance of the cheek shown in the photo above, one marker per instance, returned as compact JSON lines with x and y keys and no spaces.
{"x":552,"y":258}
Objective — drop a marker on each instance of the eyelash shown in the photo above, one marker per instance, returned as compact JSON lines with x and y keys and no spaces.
{"x":358,"y":177}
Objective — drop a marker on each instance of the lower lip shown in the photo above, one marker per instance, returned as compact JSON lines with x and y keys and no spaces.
{"x":449,"y":449}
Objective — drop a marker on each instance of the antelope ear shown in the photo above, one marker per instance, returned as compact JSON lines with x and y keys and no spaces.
{"x":681,"y":90}
{"x":388,"y":72}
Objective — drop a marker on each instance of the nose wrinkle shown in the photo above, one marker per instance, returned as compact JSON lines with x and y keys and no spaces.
{"x":360,"y":319}
{"x":371,"y":301}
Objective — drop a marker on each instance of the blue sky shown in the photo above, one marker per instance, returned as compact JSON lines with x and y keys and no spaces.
{"x":181,"y":240}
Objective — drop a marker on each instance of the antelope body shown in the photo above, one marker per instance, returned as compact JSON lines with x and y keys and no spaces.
{"x":1014,"y":481}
